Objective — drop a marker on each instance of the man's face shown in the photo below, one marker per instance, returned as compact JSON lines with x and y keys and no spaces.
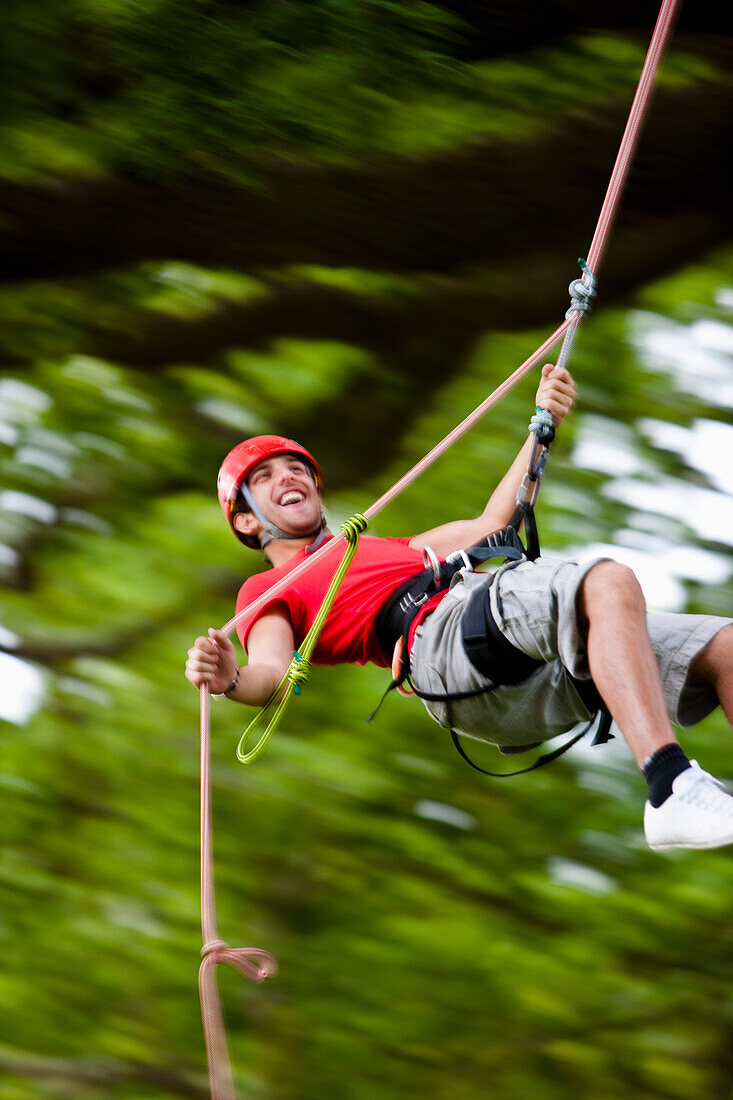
{"x":285,"y":492}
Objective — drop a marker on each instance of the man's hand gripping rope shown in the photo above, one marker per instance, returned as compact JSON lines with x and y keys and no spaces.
{"x":555,"y":398}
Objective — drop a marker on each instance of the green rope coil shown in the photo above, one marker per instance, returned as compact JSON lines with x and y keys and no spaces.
{"x":352,"y":528}
{"x":299,"y":667}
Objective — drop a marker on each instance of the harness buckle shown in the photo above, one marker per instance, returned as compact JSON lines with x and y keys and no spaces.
{"x":527,"y":490}
{"x":430,"y":561}
{"x":460,"y":556}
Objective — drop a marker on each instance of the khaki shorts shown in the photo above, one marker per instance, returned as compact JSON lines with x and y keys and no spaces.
{"x":534,"y":605}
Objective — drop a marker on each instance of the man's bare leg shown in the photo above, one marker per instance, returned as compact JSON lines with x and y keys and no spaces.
{"x":622,"y":663}
{"x":686,"y":807}
{"x":714,"y":666}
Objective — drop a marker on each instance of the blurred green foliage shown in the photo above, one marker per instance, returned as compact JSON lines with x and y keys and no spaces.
{"x":439,"y":935}
{"x":532,"y":943}
{"x":166,"y":89}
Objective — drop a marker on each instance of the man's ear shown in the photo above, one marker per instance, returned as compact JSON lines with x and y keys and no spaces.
{"x":247,"y":524}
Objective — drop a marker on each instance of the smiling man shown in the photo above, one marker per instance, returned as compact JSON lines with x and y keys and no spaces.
{"x":514,"y":656}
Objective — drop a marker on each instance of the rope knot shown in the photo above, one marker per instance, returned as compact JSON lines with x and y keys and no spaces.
{"x":582,"y":291}
{"x":354,"y":526}
{"x":214,"y":948}
{"x":298,"y":670}
{"x":252,"y":962}
{"x":543,"y":425}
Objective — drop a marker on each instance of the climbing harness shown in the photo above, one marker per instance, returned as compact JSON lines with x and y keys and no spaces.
{"x":252,"y":962}
{"x":488,"y":650}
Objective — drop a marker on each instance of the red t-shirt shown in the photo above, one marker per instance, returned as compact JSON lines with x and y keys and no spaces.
{"x":349,"y":636}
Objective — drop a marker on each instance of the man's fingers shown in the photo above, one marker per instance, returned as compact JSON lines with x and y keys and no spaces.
{"x":198,"y":653}
{"x":553,"y":403}
{"x":205,"y":657}
{"x":221,"y":639}
{"x":198,"y":659}
{"x":565,"y":380}
{"x":556,"y":392}
{"x":557,"y":395}
{"x":555,"y":371}
{"x":197,"y":675}
{"x":556,"y":376}
{"x":202,"y":665}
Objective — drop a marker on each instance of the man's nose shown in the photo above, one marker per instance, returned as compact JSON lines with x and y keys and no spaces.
{"x":286,"y":476}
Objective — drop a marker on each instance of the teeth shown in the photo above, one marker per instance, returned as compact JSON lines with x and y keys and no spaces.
{"x":292,"y":498}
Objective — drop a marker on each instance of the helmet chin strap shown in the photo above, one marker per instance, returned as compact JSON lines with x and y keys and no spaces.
{"x":271,"y":531}
{"x":320,"y":537}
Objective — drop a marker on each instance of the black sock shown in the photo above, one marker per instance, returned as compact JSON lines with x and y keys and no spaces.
{"x":661,"y":769}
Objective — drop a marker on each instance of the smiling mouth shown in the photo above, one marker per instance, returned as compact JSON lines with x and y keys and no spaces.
{"x":293,"y":497}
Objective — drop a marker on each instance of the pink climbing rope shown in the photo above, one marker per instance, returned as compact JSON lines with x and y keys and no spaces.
{"x":255,"y":963}
{"x":629,"y":141}
{"x":251,"y":962}
{"x":625,"y":155}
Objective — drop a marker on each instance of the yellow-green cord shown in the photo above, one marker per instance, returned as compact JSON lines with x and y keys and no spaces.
{"x":299,"y":667}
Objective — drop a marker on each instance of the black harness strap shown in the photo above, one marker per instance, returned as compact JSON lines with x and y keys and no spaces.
{"x":602,"y":735}
{"x":488,"y":650}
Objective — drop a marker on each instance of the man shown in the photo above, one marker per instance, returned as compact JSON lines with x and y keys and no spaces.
{"x":557,"y":629}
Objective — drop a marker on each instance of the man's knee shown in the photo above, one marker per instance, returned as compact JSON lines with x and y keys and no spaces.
{"x":609,"y":583}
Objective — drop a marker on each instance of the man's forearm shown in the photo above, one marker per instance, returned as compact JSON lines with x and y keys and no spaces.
{"x":255,"y":683}
{"x":502,"y":501}
{"x":460,"y":534}
{"x":556,"y":395}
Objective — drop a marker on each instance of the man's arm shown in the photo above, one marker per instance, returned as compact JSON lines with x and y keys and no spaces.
{"x":212,"y":660}
{"x":556,"y":393}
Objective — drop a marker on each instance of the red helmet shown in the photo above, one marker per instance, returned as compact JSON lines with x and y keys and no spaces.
{"x":239,"y":463}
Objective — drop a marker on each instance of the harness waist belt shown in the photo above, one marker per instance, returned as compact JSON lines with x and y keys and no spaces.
{"x":396,"y":615}
{"x":487,"y":649}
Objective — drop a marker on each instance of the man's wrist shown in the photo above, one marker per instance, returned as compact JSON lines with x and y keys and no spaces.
{"x":226,"y":693}
{"x":233,"y":686}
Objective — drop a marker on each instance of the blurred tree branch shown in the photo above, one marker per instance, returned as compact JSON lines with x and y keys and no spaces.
{"x":493,"y":29}
{"x":480,"y":205}
{"x":169,"y":1080}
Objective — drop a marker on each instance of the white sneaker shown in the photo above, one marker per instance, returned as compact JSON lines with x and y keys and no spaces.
{"x":698,"y":814}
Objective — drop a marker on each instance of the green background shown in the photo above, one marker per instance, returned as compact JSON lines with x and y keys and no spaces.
{"x":347,"y":221}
